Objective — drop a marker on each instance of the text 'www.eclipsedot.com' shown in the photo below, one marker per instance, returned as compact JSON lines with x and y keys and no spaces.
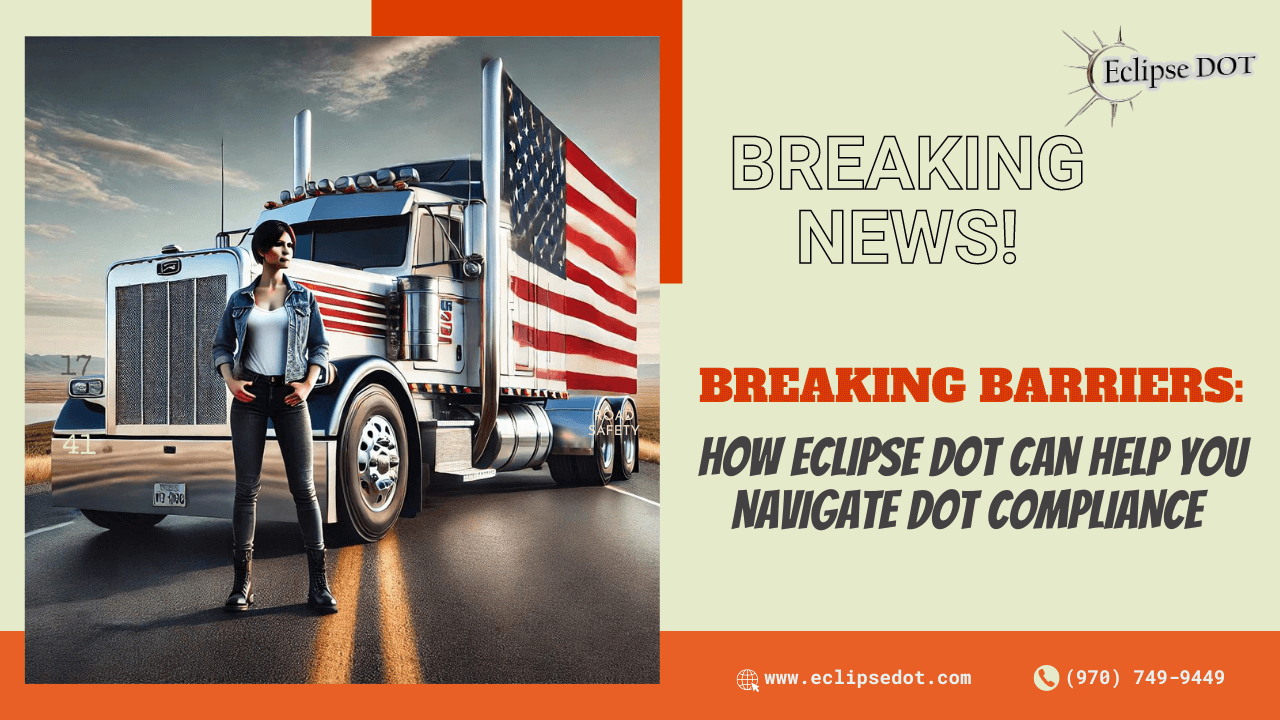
{"x":748,"y":680}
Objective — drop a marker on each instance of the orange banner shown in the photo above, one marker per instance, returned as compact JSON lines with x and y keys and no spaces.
{"x":948,"y":673}
{"x":772,"y":674}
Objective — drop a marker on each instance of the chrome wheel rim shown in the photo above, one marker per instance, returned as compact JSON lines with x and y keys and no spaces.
{"x":629,"y":443}
{"x":606,"y":454}
{"x":604,"y":440}
{"x":378,"y":463}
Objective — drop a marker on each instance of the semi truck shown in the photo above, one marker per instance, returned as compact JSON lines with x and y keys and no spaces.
{"x":481,"y":319}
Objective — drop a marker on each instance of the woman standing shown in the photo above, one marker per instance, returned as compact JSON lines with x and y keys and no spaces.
{"x":270,"y":349}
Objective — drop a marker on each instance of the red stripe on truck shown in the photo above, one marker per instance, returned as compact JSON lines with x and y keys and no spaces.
{"x":526,"y":290}
{"x":598,"y":177}
{"x":572,"y":344}
{"x":606,"y":292}
{"x":607,"y":222}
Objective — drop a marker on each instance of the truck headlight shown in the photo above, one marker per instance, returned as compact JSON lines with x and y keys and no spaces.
{"x":85,"y":387}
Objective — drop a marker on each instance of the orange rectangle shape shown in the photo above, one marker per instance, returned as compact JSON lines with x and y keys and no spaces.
{"x":963,"y":674}
{"x":662,"y":19}
{"x":707,"y":674}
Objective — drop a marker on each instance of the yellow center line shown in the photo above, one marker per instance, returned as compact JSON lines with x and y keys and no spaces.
{"x":399,"y":641}
{"x":335,"y":640}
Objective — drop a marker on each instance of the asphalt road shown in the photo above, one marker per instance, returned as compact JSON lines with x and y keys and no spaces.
{"x":506,"y":580}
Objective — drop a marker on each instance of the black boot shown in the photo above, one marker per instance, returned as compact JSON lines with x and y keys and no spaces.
{"x":241,"y":596}
{"x":319,"y":597}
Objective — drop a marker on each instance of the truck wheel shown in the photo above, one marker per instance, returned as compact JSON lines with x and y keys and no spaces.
{"x":373,"y":472}
{"x":122,"y":521}
{"x":596,"y":468}
{"x":628,"y":443}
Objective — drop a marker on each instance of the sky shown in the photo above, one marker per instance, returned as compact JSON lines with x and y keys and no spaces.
{"x":122,"y":138}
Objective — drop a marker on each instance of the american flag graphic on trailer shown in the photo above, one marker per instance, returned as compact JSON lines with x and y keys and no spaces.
{"x":574,"y":240}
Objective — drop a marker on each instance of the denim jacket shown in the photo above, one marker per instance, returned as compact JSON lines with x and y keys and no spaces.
{"x":306,"y":344}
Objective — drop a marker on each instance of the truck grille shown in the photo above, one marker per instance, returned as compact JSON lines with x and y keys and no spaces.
{"x":163,"y":346}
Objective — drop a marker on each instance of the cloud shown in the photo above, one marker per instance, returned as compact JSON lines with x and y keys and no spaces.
{"x":624,"y":154}
{"x":193,"y":165}
{"x":365,"y":75}
{"x":47,"y":304}
{"x":55,"y":178}
{"x":46,"y":230}
{"x":64,"y":161}
{"x":58,"y":279}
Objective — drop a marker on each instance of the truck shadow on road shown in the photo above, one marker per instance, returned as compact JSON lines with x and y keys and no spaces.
{"x":524,"y":481}
{"x":209,"y":616}
{"x":490,"y":486}
{"x":110,"y":564}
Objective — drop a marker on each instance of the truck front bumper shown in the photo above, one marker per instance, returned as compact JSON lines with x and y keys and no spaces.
{"x":99,"y":472}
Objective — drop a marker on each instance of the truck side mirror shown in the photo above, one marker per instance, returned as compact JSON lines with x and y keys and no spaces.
{"x":328,"y":374}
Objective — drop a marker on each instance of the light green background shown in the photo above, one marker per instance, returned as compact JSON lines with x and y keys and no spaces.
{"x":1165,"y":257}
{"x":77,"y":17}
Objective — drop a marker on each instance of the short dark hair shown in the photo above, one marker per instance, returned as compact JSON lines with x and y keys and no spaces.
{"x":266,"y":235}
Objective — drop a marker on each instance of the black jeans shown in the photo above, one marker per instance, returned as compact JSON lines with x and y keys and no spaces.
{"x":248,"y":439}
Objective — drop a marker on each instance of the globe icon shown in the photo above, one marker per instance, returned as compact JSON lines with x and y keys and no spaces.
{"x":748,"y":680}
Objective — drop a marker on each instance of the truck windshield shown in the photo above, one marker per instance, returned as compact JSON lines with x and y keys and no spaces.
{"x":356,"y":242}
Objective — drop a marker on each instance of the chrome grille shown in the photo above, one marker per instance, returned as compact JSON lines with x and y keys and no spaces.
{"x":182,"y":347}
{"x":211,"y":392}
{"x":163,"y":343}
{"x":128,"y":380}
{"x":155,"y":355}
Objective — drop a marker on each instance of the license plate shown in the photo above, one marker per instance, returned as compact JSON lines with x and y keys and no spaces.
{"x":169,"y":495}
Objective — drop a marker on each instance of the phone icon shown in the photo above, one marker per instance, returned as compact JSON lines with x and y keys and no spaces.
{"x":1046,"y":677}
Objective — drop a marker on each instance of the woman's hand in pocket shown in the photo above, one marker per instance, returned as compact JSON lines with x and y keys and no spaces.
{"x":239,"y":389}
{"x":300,"y":392}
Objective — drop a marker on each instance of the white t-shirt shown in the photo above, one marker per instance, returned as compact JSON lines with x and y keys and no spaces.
{"x":264,"y":340}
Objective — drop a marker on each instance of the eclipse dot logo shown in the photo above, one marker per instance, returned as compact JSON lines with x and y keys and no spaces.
{"x":1100,"y":89}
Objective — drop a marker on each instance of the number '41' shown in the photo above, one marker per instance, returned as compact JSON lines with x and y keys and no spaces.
{"x":74,"y":449}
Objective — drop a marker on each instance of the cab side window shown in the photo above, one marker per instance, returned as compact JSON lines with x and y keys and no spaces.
{"x":434,"y":235}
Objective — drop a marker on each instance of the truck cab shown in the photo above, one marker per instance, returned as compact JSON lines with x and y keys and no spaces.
{"x":398,"y":273}
{"x":453,"y":349}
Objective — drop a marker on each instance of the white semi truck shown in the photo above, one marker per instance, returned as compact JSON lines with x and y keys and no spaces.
{"x":481,"y":319}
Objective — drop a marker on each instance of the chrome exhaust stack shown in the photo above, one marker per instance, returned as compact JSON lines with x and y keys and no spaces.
{"x":302,"y":150}
{"x":494,"y":281}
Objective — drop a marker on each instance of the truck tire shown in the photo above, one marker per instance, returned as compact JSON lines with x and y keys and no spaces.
{"x":577,"y":470}
{"x":373,"y":467}
{"x":594,"y":469}
{"x":122,"y":521}
{"x":627,"y":452}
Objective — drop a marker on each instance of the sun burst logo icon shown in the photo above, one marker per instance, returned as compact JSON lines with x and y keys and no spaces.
{"x":1093,"y":84}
